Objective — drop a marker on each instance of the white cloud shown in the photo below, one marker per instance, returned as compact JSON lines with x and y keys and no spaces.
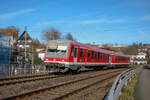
{"x":135,"y":3}
{"x":16,"y":13}
{"x":98,"y":21}
{"x":146,"y":18}
{"x":82,"y":22}
{"x":51,"y":22}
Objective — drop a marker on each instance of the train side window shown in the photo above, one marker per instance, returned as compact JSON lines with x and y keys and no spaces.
{"x":92,"y":54}
{"x":101,"y":55}
{"x":95,"y":55}
{"x":89,"y":54}
{"x":113,"y":58}
{"x":81,"y":52}
{"x":71,"y":54}
{"x":75,"y":52}
{"x":117,"y":58}
{"x":98,"y":55}
{"x":106,"y":56}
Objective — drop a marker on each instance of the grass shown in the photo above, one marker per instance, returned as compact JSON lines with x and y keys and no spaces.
{"x":128,"y":90}
{"x":133,"y":65}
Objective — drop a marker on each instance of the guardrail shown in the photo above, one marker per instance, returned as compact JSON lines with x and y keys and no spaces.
{"x":119,"y":82}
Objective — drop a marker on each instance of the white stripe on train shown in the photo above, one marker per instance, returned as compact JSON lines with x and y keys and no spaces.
{"x":79,"y":63}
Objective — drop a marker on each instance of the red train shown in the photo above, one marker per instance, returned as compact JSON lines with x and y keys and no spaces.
{"x":64,"y":55}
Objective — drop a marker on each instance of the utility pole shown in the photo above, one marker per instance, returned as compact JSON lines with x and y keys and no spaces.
{"x":25,"y":48}
{"x":32,"y":58}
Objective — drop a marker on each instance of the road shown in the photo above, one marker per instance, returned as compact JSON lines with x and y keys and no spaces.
{"x":142,"y":89}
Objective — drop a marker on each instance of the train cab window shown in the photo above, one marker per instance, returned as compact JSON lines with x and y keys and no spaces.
{"x":95,"y":55}
{"x":89,"y":54}
{"x":71,"y":54}
{"x":75,"y":52}
{"x":81,"y":52}
{"x":92,"y":54}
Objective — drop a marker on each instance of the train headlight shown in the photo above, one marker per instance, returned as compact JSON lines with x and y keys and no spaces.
{"x":62,"y":60}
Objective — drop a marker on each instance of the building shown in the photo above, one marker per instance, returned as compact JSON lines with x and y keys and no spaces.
{"x":138,"y":59}
{"x":24,"y":40}
{"x":146,"y":45}
{"x":143,"y":50}
{"x":21,"y":58}
{"x":41,"y":53}
{"x":141,"y":58}
{"x":5,"y":53}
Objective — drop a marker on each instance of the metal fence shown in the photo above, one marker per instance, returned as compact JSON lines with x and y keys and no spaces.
{"x":29,"y":69}
{"x":5,"y":52}
{"x":119,"y":82}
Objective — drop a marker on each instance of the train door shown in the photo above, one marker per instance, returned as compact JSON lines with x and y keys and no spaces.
{"x":75,"y":54}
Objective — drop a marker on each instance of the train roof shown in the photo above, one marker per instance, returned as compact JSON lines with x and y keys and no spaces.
{"x":99,"y":49}
{"x":87,"y":46}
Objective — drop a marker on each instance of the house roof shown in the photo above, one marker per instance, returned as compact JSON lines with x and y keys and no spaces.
{"x":22,"y":37}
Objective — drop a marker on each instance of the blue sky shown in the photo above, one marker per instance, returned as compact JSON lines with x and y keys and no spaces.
{"x":100,"y":21}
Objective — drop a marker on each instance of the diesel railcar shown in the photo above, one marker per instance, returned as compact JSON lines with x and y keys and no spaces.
{"x":64,"y":55}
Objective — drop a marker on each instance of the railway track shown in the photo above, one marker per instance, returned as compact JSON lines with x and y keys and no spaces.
{"x":29,"y":79}
{"x":21,"y":77}
{"x":64,"y":89}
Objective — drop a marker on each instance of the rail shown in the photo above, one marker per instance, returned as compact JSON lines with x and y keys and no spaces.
{"x":119,"y":82}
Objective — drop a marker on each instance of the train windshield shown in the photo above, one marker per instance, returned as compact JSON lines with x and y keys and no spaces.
{"x":57,"y":50}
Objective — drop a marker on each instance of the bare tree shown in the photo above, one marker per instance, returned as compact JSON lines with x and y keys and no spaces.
{"x":50,"y":34}
{"x":69,"y":37}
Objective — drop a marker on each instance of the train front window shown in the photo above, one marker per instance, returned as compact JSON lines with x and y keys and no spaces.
{"x":57,"y":51}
